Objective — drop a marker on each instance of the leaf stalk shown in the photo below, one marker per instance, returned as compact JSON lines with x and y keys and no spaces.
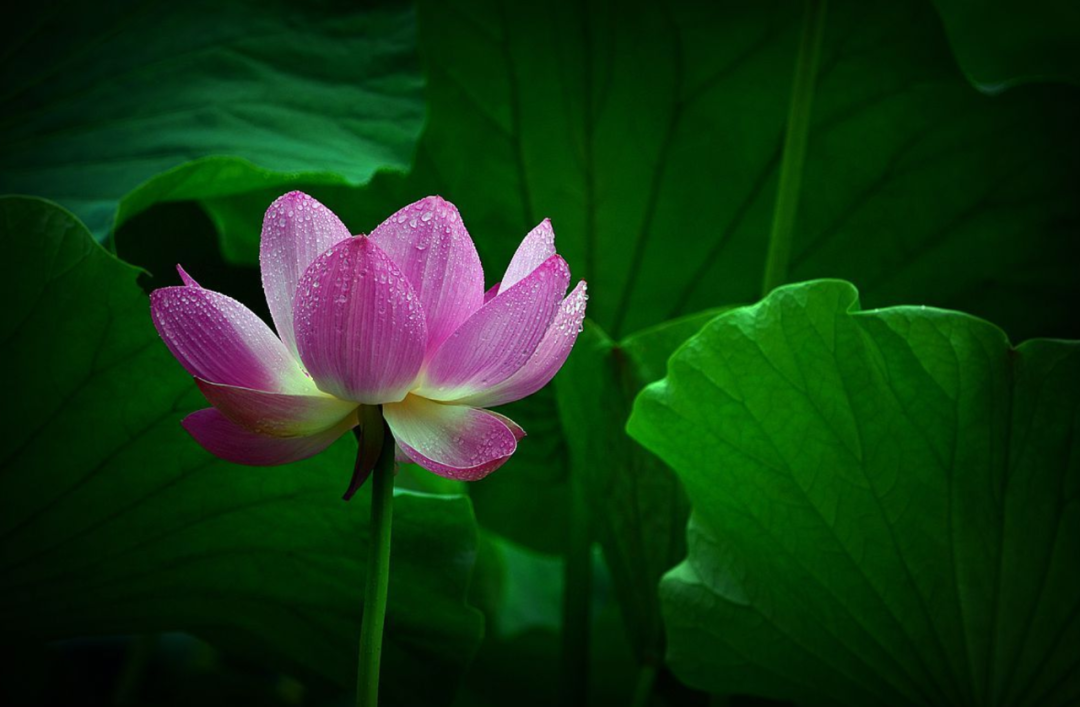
{"x":378,"y":574}
{"x":795,"y":140}
{"x":577,"y":598}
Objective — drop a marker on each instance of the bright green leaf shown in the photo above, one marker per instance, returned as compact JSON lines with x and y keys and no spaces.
{"x":112,"y":520}
{"x":1002,"y":43}
{"x":101,"y":99}
{"x":884,"y":505}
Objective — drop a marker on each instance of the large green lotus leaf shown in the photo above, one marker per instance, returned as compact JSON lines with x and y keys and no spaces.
{"x":884,"y":505}
{"x":1002,"y":43}
{"x":112,"y":520}
{"x":638,"y":508}
{"x":107,"y":104}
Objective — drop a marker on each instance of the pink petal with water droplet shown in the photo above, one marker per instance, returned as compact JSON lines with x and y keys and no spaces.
{"x":499,"y":338}
{"x":296,"y":230}
{"x":454,"y":441}
{"x":517,"y":430}
{"x":492,"y":291}
{"x":220,"y":340}
{"x":545,"y":362}
{"x":359,"y":325}
{"x":537,"y":246}
{"x":188,"y":280}
{"x":277,"y":414}
{"x":429,"y":243}
{"x":226,"y":440}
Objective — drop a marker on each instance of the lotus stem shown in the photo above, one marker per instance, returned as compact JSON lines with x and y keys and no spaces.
{"x":577,"y":599}
{"x":378,"y":575}
{"x":795,"y":139}
{"x":644,"y":687}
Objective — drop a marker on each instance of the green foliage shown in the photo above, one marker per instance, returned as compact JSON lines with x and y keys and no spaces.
{"x":518,"y":662}
{"x":637,"y":506}
{"x":651,"y":134}
{"x":112,"y":520}
{"x":114,"y":104}
{"x":883,"y":500}
{"x":884,"y":505}
{"x":1003,"y":43}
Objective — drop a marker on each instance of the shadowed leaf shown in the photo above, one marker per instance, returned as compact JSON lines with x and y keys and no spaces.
{"x":125,"y":104}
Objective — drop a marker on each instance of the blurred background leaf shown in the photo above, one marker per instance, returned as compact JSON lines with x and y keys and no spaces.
{"x":131,"y":103}
{"x":518,"y":663}
{"x":884,"y":505}
{"x":1003,"y":43}
{"x":637,"y":506}
{"x":113,"y":521}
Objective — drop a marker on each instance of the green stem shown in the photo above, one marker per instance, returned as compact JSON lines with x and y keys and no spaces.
{"x":139,"y":654}
{"x":643,"y":689}
{"x":795,"y":137}
{"x":577,"y":595}
{"x":378,"y":574}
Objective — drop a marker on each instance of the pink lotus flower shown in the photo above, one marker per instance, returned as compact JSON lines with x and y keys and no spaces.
{"x":398,"y":319}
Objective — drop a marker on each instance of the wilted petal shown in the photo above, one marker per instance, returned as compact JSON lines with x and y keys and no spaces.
{"x":359,"y":326}
{"x":547,"y":359}
{"x":429,"y":243}
{"x":277,"y":414}
{"x":537,"y":247}
{"x":499,"y":338}
{"x":220,"y":340}
{"x":296,"y":230}
{"x":226,"y":440}
{"x":454,"y":441}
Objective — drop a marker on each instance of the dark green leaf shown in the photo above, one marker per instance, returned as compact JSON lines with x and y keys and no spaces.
{"x":518,"y":661}
{"x":113,"y":520}
{"x":101,"y":99}
{"x":528,"y":500}
{"x":1002,"y":43}
{"x":637,"y":505}
{"x":650,"y":133}
{"x":884,"y":505}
